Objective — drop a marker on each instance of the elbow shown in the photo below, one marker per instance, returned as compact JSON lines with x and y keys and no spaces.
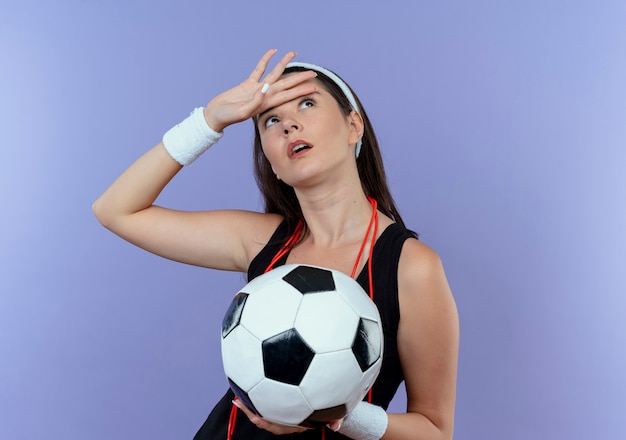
{"x":95,"y":208}
{"x":447,"y":435}
{"x":447,"y":431}
{"x":101,"y":213}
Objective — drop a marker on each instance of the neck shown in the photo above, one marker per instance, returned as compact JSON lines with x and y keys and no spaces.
{"x":336,"y":217}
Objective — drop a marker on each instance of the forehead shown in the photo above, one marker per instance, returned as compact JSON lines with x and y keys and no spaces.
{"x":316,"y":81}
{"x":321,"y":92}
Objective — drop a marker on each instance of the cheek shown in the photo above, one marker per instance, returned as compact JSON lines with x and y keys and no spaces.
{"x":334,"y":124}
{"x":269,"y":148}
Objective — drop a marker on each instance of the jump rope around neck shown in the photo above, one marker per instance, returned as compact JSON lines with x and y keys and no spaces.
{"x":293,"y":239}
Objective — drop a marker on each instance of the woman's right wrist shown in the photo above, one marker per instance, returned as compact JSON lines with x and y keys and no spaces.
{"x":211,"y":122}
{"x":186,"y":141}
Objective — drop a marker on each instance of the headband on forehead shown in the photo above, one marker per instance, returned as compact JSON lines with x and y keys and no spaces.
{"x":340,"y":83}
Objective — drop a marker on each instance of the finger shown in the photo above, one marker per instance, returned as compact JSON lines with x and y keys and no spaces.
{"x":264,"y":424}
{"x":239,"y":404}
{"x":288,"y":84}
{"x":335,"y":425}
{"x":278,"y":70}
{"x":276,"y":428}
{"x":274,"y":98}
{"x":254,"y":418}
{"x":291,"y":81}
{"x":259,"y":70}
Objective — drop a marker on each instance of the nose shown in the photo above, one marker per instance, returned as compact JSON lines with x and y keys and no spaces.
{"x":290,"y":125}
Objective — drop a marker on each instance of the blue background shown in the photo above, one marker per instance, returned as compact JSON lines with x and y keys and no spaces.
{"x":503,"y":128}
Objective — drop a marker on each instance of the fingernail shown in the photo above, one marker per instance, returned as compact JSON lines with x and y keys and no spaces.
{"x":265,"y":88}
{"x":335,"y":429}
{"x":236,"y":403}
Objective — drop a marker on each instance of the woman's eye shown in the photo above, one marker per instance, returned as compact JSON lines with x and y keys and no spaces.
{"x":307,"y":103}
{"x":271,"y":121}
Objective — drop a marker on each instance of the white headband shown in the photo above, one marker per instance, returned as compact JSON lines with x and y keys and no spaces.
{"x":340,"y":83}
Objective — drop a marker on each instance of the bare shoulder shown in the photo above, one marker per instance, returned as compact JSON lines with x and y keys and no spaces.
{"x":421,"y":277}
{"x":419,"y":266}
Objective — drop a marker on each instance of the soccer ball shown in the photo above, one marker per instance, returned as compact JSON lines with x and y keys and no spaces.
{"x":301,"y":345}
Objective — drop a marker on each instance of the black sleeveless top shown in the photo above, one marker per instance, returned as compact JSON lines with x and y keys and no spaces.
{"x":385,"y":258}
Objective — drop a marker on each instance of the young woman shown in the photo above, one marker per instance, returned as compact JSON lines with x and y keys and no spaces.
{"x":327,"y":203}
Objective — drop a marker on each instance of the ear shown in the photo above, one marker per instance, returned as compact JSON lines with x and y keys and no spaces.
{"x":356,"y":127}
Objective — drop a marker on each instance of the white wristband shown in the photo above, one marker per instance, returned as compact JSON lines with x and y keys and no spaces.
{"x":186,"y":141}
{"x":365,"y":422}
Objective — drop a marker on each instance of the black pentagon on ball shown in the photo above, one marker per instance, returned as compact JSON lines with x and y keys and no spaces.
{"x":366,"y":346}
{"x":321,"y":417}
{"x":242,"y":395}
{"x":308,"y":279}
{"x":286,"y":357}
{"x":233,"y":314}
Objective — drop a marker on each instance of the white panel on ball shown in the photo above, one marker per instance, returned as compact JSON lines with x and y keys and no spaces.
{"x":280,"y":403}
{"x":326,"y":321}
{"x":359,"y":300}
{"x":271,"y":310}
{"x":368,"y":379}
{"x":332,"y":379}
{"x":242,"y":358}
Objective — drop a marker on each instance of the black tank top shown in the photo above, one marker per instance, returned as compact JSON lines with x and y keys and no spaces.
{"x":385,"y":258}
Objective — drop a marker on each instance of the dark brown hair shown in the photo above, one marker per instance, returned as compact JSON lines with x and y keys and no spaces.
{"x":280,"y":198}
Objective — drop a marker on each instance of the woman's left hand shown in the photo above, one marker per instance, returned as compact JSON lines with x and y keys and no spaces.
{"x":260,"y":422}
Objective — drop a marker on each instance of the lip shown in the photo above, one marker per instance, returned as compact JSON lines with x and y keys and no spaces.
{"x":293,"y":144}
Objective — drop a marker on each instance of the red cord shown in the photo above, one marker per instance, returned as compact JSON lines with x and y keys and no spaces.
{"x":287,"y":246}
{"x":232,"y":420}
{"x":369,"y":265}
{"x":373,"y":220}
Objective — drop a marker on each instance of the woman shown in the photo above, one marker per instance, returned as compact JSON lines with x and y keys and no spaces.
{"x":320,"y":171}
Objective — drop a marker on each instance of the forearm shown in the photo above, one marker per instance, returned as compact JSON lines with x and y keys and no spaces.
{"x":370,"y":422}
{"x":415,"y":426}
{"x":138,"y":187}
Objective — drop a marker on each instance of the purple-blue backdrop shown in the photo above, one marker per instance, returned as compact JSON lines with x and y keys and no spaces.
{"x":503,"y":126}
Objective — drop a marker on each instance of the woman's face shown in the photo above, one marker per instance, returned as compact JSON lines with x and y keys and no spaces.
{"x":309,"y":137}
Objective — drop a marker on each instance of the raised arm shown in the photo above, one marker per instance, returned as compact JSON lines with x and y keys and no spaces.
{"x":217,"y":239}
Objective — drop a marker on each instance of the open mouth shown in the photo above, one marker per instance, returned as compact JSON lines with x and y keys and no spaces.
{"x":298,"y":147}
